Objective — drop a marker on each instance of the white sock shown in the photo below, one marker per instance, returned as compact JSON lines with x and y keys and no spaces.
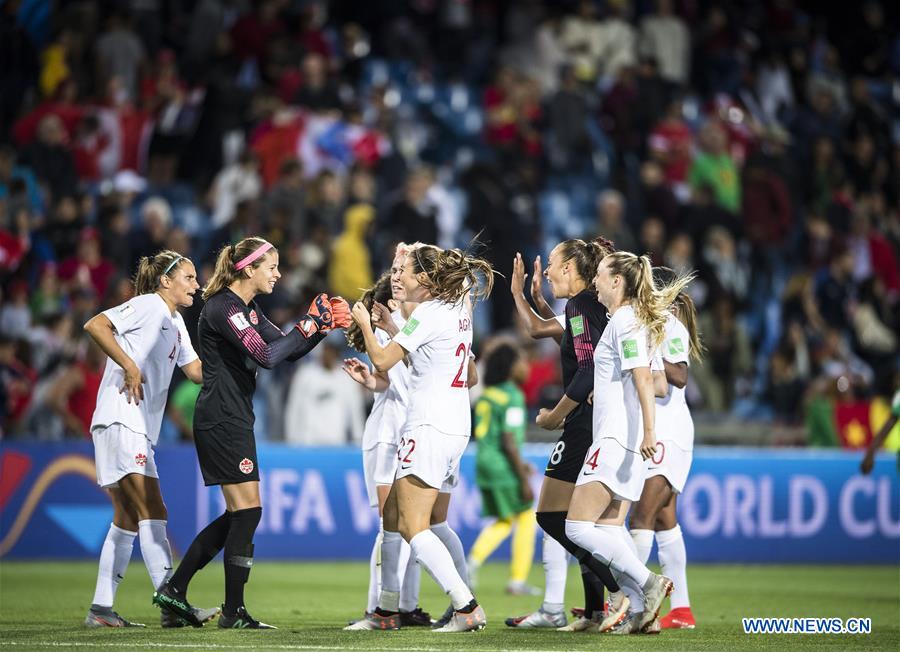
{"x":114,"y":558}
{"x":643,"y":542}
{"x":412,"y":580}
{"x":673,"y":559}
{"x":556,"y":563}
{"x":451,"y":541}
{"x":436,"y":559}
{"x":606,"y":543}
{"x":391,"y":547}
{"x":375,"y":573}
{"x":155,"y":550}
{"x":631,"y":589}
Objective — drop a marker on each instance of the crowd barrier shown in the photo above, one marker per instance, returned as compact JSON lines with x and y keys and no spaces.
{"x":739,"y":505}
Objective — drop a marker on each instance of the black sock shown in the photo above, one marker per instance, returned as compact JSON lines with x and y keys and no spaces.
{"x":554,"y":524}
{"x":239,"y":556}
{"x":203,"y":548}
{"x":469,"y":608}
{"x":593,"y":592}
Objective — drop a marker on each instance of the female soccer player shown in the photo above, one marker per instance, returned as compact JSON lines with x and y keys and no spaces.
{"x":501,"y":473}
{"x":381,"y":438}
{"x":667,"y":470}
{"x":571,"y":267}
{"x":144,"y":338}
{"x":612,"y":475}
{"x":236,"y":338}
{"x":437,"y":339}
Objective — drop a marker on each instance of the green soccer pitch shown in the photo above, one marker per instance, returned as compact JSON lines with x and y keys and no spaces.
{"x":43,"y":604}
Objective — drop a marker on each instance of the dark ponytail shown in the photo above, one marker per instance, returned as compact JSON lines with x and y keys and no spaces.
{"x":151,"y":268}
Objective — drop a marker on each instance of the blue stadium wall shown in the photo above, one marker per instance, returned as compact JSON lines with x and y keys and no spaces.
{"x":740,"y":505}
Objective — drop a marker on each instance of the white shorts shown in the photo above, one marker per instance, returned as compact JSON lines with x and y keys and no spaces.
{"x":671,"y":462}
{"x":431,"y":456}
{"x":620,"y":469}
{"x":119,"y":451}
{"x":379,"y":468}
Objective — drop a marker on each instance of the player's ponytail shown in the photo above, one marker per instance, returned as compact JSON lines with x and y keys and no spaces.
{"x":151,"y":268}
{"x":450,"y":274}
{"x":651,"y":303}
{"x":380,"y":292}
{"x":585,"y":255}
{"x":225,"y":272}
{"x":687,"y":314}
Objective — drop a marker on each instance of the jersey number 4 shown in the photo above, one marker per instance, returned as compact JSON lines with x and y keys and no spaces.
{"x":592,"y":460}
{"x":172,"y":354}
{"x":459,"y":381}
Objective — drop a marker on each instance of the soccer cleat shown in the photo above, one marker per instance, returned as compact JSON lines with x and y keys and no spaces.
{"x":631,"y":624}
{"x":465,"y":622}
{"x":521,"y":588}
{"x":416,"y":618}
{"x":680,"y":618}
{"x":375,"y":621}
{"x":171,"y":600}
{"x":653,"y":628}
{"x":538,"y":620}
{"x":615,"y":615}
{"x":653,"y":598}
{"x":241,"y":620}
{"x":443,"y":620}
{"x":167,"y":619}
{"x":582,"y":624}
{"x":107,"y":619}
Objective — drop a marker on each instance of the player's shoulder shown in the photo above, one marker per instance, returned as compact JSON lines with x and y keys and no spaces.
{"x":623,"y":318}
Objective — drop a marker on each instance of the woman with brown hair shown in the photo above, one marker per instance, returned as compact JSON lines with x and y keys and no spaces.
{"x":437,"y":341}
{"x":235,"y":338}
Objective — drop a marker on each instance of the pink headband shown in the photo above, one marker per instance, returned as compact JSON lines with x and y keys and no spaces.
{"x":241,"y":264}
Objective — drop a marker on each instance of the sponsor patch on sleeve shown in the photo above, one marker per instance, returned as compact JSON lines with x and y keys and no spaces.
{"x":126,"y":311}
{"x":411,"y":326}
{"x":577,"y":325}
{"x":676,"y":345}
{"x":515,"y":417}
{"x":240,"y":321}
{"x":629,"y":349}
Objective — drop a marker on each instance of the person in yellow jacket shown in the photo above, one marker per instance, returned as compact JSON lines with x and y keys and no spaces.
{"x":350,"y":269}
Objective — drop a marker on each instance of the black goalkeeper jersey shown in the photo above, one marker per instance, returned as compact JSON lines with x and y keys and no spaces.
{"x":586,"y":319}
{"x":234,"y":339}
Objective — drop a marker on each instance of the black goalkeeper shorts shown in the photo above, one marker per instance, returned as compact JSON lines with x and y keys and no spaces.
{"x":568,"y":454}
{"x":227,"y":454}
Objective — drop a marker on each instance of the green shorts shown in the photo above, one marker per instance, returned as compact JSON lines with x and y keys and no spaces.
{"x":502,"y":502}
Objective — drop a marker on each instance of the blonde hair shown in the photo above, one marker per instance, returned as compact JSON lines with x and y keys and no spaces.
{"x":450,"y":274}
{"x":687,"y":314}
{"x":380,"y":292}
{"x":651,"y":304}
{"x":152,"y":268}
{"x":224,"y":273}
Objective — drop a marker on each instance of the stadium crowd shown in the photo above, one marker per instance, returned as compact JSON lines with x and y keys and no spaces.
{"x":756,"y":142}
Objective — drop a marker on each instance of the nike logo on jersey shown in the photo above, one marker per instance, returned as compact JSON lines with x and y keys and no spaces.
{"x":405,"y":467}
{"x":586,"y":473}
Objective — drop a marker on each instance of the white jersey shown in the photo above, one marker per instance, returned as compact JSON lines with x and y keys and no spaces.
{"x":438,"y":337}
{"x":156,"y":340}
{"x":673,"y":418}
{"x":389,"y":409}
{"x":617,"y":410}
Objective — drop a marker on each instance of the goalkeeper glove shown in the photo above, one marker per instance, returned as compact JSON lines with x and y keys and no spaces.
{"x":319,"y":318}
{"x":340,"y":311}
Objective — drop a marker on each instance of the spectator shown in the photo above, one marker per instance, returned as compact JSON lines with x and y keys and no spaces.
{"x":350,"y":271}
{"x":317,"y":93}
{"x":413,"y":218}
{"x":618,"y":40}
{"x":835,"y":290}
{"x":234,"y":184}
{"x":713,"y":165}
{"x":610,"y":222}
{"x":321,"y":387}
{"x":582,"y":39}
{"x":766,"y":209}
{"x":569,"y":143}
{"x":88,"y":267}
{"x":120,"y":54}
{"x":150,"y":237}
{"x":73,"y":395}
{"x":288,"y":196}
{"x":50,"y":159}
{"x":670,"y":143}
{"x":665,"y":37}
{"x":15,"y":316}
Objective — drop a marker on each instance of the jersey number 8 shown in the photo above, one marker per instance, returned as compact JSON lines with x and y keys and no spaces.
{"x":556,"y":455}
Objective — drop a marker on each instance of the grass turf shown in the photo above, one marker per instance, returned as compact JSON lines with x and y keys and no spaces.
{"x":42,"y":605}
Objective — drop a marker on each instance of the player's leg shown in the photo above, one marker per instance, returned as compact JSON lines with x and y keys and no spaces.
{"x":488,"y":540}
{"x":673,"y":559}
{"x":522,"y":554}
{"x":243,"y":502}
{"x":114,"y":557}
{"x":656,"y":493}
{"x":441,"y":528}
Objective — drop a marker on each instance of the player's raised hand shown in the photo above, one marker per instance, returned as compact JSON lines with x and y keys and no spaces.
{"x":133,"y":385}
{"x":361,"y":314}
{"x":517,"y":278}
{"x":359,"y":371}
{"x":381,"y":318}
{"x":340,"y":311}
{"x":537,"y":280}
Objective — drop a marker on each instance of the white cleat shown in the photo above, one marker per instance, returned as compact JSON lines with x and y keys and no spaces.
{"x":659,"y":590}
{"x":582,"y":624}
{"x":107,"y":619}
{"x":615,"y":615}
{"x":539,"y":619}
{"x":462,"y":622}
{"x":631,"y":624}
